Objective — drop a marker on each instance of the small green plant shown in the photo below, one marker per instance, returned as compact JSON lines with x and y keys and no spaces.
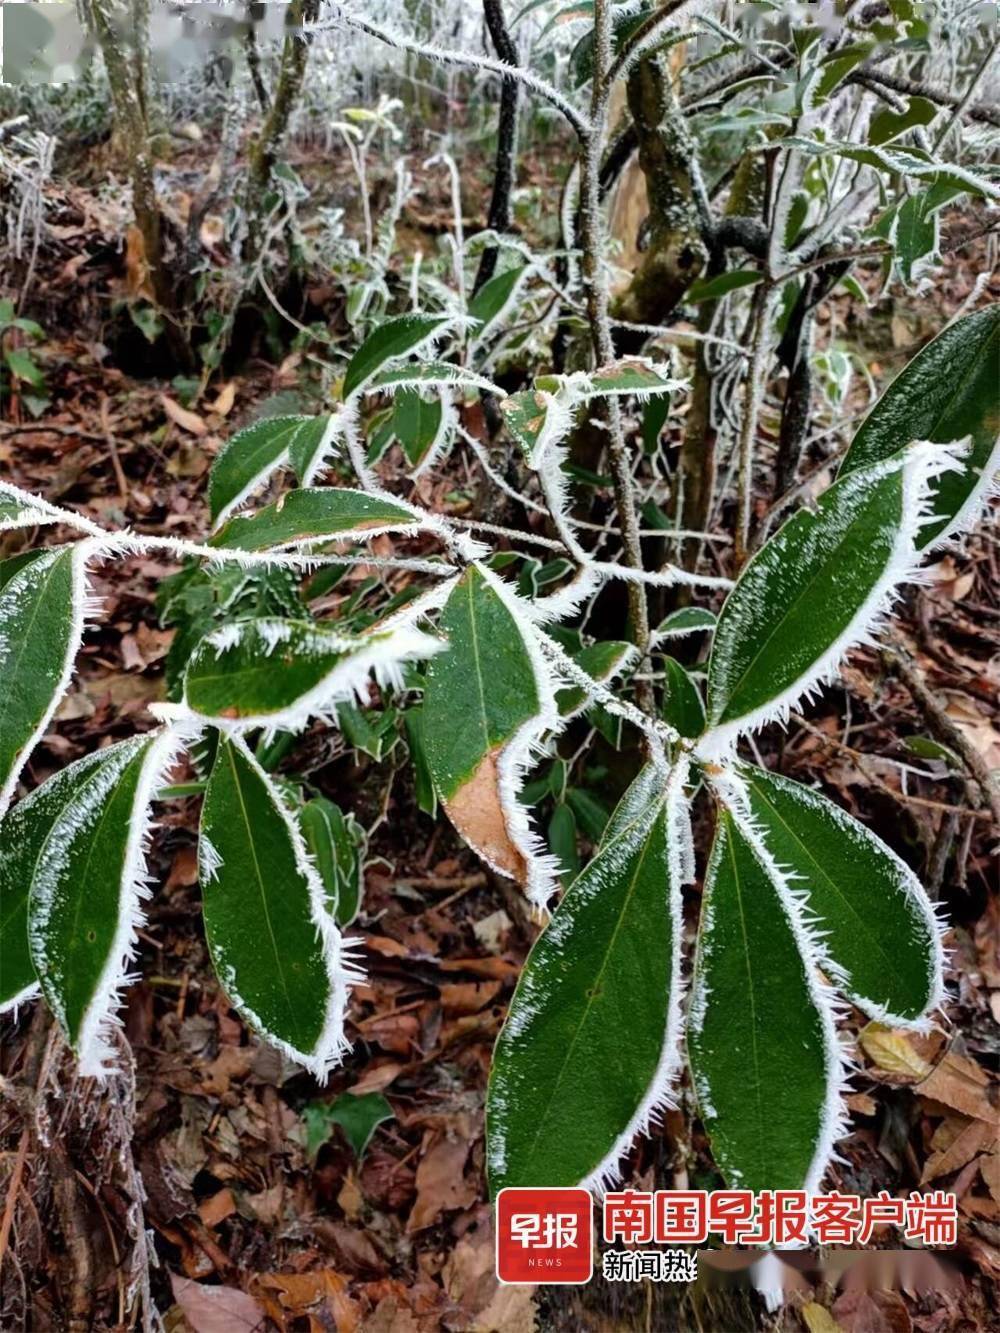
{"x":593,"y":1041}
{"x":18,"y":363}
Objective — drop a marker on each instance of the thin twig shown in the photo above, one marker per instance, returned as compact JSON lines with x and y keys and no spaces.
{"x":451,"y":57}
{"x":752,"y":395}
{"x":946,"y":731}
{"x":598,"y":300}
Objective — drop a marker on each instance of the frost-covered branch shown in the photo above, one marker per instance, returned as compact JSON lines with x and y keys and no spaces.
{"x":448,"y":56}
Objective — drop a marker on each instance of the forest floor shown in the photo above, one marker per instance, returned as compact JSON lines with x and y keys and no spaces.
{"x":257,"y":1206}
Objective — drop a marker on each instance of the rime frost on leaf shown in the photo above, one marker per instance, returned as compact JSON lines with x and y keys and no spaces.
{"x":42,"y":613}
{"x":315,"y":514}
{"x":591,"y":1044}
{"x":490,"y":700}
{"x":766,"y":1061}
{"x":430,"y":373}
{"x":254,"y":454}
{"x":281,"y":674}
{"x":24,"y":831}
{"x":87,"y":887}
{"x":950,"y":391}
{"x":406,"y":335}
{"x":19,"y":510}
{"x":878,"y":933}
{"x":904,"y":161}
{"x":274,"y":945}
{"x":537,"y":420}
{"x":492,"y":304}
{"x":819,"y":587}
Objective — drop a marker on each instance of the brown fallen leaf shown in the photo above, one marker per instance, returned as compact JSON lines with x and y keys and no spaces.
{"x":298,"y":1293}
{"x":217,"y":1208}
{"x":391,"y":1316}
{"x":469,"y":1276}
{"x":377,"y":1076}
{"x":224,"y":400}
{"x":975,"y":1135}
{"x":892,"y":1051}
{"x":467,"y":997}
{"x":961,"y":1084}
{"x":861,"y":1104}
{"x":441,"y":1183}
{"x":217,"y":1309}
{"x":137,"y":282}
{"x":499,"y":968}
{"x":492,"y":931}
{"x":180,"y":416}
{"x":859,"y":1311}
{"x":990,"y":1170}
{"x":819,"y":1320}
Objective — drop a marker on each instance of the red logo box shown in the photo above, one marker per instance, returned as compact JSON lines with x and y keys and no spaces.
{"x":545,"y":1236}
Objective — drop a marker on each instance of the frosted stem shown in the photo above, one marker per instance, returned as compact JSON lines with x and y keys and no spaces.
{"x":752,"y":394}
{"x":598,"y":298}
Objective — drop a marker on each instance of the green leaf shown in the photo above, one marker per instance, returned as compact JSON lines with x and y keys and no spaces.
{"x":272,"y":941}
{"x":147,"y":319}
{"x":428,"y":373}
{"x":358,"y":1117}
{"x":925,"y":747}
{"x":654,"y":418}
{"x":534,"y":418}
{"x":336,"y":842}
{"x":269,"y":672}
{"x":23,"y":365}
{"x":688,"y":620}
{"x":494,"y":298}
{"x":248,"y":458}
{"x":309,"y":446}
{"x":311,"y":515}
{"x":915,"y":233}
{"x":632,"y":375}
{"x":950,"y":390}
{"x":392,"y":339}
{"x":592,"y":814}
{"x":418,"y":424}
{"x":832,"y":70}
{"x":588,"y":1048}
{"x":14,"y":564}
{"x":711,"y":289}
{"x":892,"y":159}
{"x":887,"y":124}
{"x":41,"y":625}
{"x":682,"y":705}
{"x":423,"y":780}
{"x":759,"y":1045}
{"x":811,"y":591}
{"x":18,"y":510}
{"x":481,"y":692}
{"x":83,"y":855}
{"x":601,"y":661}
{"x":371,"y":732}
{"x":562,"y":843}
{"x":879,"y":927}
{"x":24,"y":833}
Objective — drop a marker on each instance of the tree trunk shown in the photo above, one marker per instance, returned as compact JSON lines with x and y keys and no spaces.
{"x":127,"y":79}
{"x":264,"y":152}
{"x":676,"y":252}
